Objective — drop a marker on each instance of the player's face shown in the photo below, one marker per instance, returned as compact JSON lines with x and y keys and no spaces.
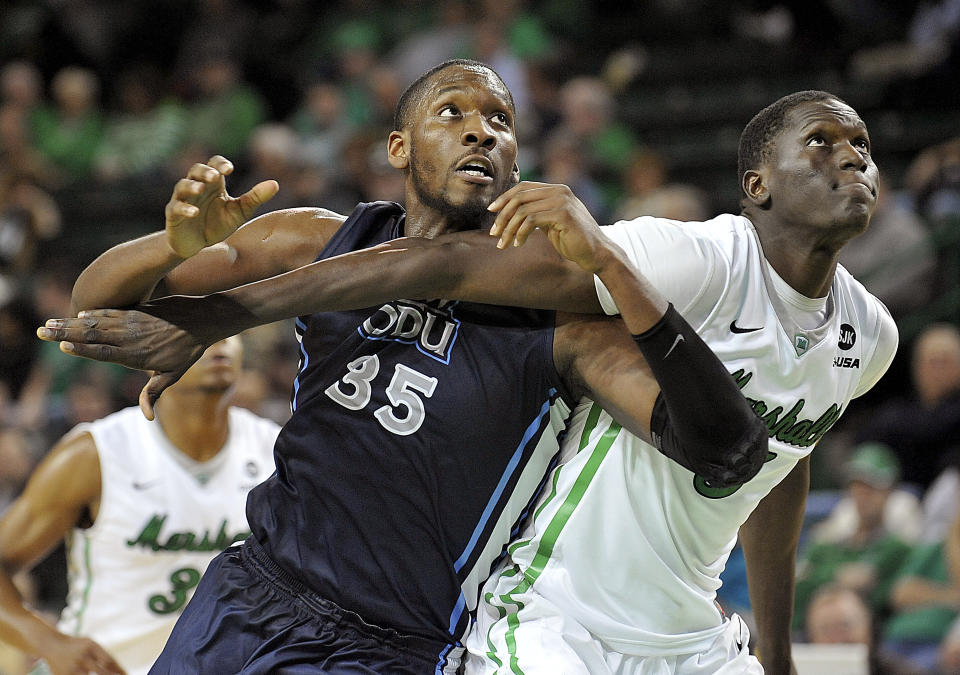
{"x":463,"y":150}
{"x":821,"y":173}
{"x":217,"y":370}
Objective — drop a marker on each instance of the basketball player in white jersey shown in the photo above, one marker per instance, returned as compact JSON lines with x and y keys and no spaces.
{"x":619,"y":570}
{"x":144,"y":507}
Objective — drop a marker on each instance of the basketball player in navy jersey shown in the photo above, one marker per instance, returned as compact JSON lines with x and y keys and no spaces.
{"x":422,"y":430}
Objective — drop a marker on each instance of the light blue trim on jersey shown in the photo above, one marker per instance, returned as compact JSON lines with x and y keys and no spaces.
{"x":536,"y":425}
{"x":301,"y":328}
{"x":457,"y":612}
{"x":532,"y":429}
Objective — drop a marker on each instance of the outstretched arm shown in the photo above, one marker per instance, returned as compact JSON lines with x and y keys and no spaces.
{"x":770,"y":537}
{"x":65,"y":484}
{"x":462,"y":266}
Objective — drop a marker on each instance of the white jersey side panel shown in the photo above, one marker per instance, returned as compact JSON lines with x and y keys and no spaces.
{"x":158,"y":527}
{"x":630,"y":543}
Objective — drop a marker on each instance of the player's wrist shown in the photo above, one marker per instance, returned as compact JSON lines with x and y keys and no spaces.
{"x":39,"y":638}
{"x":175,"y":254}
{"x":606,"y":262}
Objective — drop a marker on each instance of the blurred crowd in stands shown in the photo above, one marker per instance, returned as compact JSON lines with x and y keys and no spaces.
{"x":103,"y":106}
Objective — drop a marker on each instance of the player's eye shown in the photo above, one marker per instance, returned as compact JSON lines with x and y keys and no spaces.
{"x":816,"y":141}
{"x":501,"y":118}
{"x":449,"y":111}
{"x":862,"y":144}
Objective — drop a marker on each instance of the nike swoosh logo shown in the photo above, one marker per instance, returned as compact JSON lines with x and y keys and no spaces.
{"x":143,"y":486}
{"x":677,"y":341}
{"x":734,"y":328}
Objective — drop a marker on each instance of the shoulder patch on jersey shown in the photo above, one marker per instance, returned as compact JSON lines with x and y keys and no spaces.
{"x":848,"y":337}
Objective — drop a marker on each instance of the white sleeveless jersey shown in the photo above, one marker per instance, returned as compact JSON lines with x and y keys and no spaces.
{"x":158,"y":527}
{"x":630,"y":543}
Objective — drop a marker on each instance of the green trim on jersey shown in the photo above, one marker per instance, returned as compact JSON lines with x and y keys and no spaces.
{"x":85,"y":602}
{"x":491,"y":648}
{"x":552,"y":532}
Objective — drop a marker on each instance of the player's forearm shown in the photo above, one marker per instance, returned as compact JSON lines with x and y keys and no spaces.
{"x":19,"y":627}
{"x":772,"y":606}
{"x":534,"y":275}
{"x":458,"y":267}
{"x":770,"y":538}
{"x":125,"y":274}
{"x":641,"y":305}
{"x":696,"y":388}
{"x":464,"y":266}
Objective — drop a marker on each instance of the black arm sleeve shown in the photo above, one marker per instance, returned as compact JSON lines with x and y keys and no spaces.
{"x":701,"y":420}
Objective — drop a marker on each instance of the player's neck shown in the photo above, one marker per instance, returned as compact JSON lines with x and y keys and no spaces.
{"x":195,"y":423}
{"x":424,"y":221}
{"x":807,"y":264}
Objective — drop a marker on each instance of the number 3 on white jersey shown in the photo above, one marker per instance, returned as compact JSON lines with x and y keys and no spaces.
{"x":402,"y":391}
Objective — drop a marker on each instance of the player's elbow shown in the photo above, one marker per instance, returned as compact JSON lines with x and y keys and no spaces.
{"x":740,"y":458}
{"x":750,"y":452}
{"x":11,"y":567}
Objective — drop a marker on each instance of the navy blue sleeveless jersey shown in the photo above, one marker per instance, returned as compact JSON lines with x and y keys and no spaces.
{"x":422,"y":432}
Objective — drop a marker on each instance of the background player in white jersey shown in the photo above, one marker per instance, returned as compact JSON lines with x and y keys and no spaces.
{"x":620,"y":570}
{"x":144,"y":506}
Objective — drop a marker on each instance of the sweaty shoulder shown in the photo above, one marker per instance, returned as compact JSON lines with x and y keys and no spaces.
{"x":687,"y":262}
{"x":70,"y":473}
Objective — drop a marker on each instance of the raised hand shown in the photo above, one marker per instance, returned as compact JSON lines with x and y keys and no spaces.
{"x":554,"y":209}
{"x":201,"y":213}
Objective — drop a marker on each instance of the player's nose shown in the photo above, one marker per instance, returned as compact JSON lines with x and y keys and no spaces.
{"x":477,"y":131}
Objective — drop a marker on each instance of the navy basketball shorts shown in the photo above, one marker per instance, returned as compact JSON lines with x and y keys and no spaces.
{"x":249,"y":616}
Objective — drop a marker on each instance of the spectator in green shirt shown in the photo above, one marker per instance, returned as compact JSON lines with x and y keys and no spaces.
{"x":925,"y":598}
{"x":226,"y":109}
{"x":867,"y":559}
{"x":68,"y":132}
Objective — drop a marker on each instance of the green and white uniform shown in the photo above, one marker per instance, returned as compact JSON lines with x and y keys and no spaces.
{"x":162,"y":518}
{"x":619,"y":569}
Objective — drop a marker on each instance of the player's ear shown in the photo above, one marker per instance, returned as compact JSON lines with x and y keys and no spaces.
{"x":515,"y":174}
{"x":398,"y":150}
{"x":754,"y":185}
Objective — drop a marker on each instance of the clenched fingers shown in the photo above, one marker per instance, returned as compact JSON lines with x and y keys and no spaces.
{"x":527,"y":206}
{"x":199,"y":178}
{"x":221,"y":164}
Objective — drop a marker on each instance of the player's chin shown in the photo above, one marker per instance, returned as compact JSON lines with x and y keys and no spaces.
{"x":219,"y":385}
{"x":472,"y":208}
{"x":857,"y":215}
